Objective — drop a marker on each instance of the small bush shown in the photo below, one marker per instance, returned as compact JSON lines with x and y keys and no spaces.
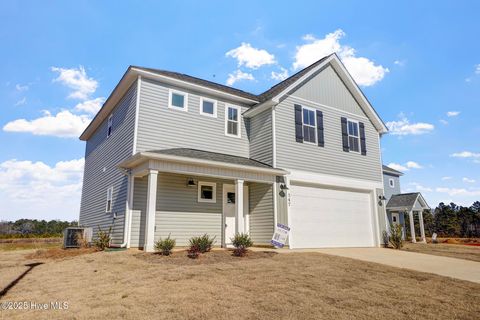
{"x":193,"y":252}
{"x":165,"y":246}
{"x":241,"y":242}
{"x":396,"y":236}
{"x":103,"y":239}
{"x":385,"y":238}
{"x":204,"y":243}
{"x":81,"y":241}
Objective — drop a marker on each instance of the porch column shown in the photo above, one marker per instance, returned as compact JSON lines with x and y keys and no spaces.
{"x":422,"y":228}
{"x":150,"y":211}
{"x":239,"y":218}
{"x":412,"y":226}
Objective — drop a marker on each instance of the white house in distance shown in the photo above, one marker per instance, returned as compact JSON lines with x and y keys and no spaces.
{"x":173,"y":154}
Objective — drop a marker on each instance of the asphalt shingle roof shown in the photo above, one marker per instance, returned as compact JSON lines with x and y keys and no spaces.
{"x":212,"y":156}
{"x":406,"y":200}
{"x":386,"y":168}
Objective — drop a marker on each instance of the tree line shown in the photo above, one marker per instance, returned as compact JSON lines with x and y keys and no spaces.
{"x":28,"y":228}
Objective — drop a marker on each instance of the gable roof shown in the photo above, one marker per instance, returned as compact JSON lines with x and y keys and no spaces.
{"x":406,"y":201}
{"x":391,"y":171}
{"x":253,"y":100}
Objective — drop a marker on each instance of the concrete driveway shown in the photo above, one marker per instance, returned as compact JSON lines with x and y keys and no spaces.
{"x":444,"y":266}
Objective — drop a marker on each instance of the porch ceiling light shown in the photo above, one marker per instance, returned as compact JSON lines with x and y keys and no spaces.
{"x":191,"y":183}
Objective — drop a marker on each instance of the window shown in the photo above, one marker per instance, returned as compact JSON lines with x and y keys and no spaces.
{"x":394,"y":219}
{"x":231,"y":197}
{"x":353,"y":140}
{"x":232,"y":127}
{"x":391,"y":182}
{"x":207,"y":192}
{"x":208,"y":107}
{"x":110,"y":125}
{"x":178,"y":100}
{"x":108,"y":207}
{"x":308,"y":120}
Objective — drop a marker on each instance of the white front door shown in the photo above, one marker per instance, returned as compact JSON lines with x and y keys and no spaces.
{"x":229,"y":198}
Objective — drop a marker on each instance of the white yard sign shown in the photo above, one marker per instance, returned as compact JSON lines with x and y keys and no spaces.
{"x":280,"y":236}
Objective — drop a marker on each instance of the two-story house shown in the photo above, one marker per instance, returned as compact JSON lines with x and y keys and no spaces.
{"x":173,"y":154}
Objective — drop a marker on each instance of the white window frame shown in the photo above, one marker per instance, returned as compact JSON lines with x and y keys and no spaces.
{"x":391,"y":182}
{"x":170,"y":99}
{"x":349,"y":135}
{"x":109,"y":198}
{"x":110,"y":125}
{"x":239,"y":127}
{"x":214,"y":191}
{"x":315,"y":126}
{"x":214,"y":115}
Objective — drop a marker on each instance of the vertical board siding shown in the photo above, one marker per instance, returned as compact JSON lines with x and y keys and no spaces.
{"x":101,"y":157}
{"x":261,"y":212}
{"x":261,"y":141}
{"x":331,"y":159}
{"x":389,"y":191}
{"x":162,"y":128}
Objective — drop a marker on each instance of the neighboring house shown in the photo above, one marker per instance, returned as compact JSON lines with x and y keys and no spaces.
{"x":171,"y":154}
{"x":398,"y":204}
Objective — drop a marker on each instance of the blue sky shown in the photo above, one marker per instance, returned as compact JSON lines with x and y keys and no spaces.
{"x":418,"y":63}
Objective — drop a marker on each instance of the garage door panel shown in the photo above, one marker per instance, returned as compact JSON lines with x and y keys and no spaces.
{"x":323,"y":217}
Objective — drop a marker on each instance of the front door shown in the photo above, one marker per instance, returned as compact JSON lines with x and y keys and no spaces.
{"x":229,"y":198}
{"x":395,"y":218}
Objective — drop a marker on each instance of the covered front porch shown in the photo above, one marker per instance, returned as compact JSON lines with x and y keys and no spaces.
{"x":184,"y":193}
{"x":407,"y":203}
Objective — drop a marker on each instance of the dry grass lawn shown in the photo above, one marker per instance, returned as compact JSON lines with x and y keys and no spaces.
{"x":447,"y":250}
{"x":136,"y":285}
{"x":29,"y":243}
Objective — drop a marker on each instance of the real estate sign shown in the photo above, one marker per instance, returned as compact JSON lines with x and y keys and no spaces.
{"x":280,"y":235}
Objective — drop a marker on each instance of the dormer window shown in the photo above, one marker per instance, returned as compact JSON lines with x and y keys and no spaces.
{"x":109,"y":125}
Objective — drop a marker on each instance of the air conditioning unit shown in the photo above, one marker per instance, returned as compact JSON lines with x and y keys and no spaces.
{"x":71,"y":236}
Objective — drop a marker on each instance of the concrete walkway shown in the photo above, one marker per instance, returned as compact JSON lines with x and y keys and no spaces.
{"x":444,"y":266}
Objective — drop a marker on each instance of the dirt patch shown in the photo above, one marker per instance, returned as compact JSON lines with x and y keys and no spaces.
{"x":212,"y":257}
{"x":58,"y":253}
{"x":467,"y":252}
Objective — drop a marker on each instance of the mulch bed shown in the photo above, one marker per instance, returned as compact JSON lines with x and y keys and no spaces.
{"x":58,"y":253}
{"x":212,"y":257}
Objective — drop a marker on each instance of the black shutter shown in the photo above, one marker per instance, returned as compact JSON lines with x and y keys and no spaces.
{"x":298,"y":123}
{"x":321,"y":140}
{"x":344,"y":134}
{"x":363,"y":143}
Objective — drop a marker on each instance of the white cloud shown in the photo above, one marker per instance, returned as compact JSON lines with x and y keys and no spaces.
{"x":280,"y":76}
{"x":458,"y":191}
{"x":397,"y":166}
{"x":251,"y":57}
{"x":237,"y":76}
{"x":362,"y":69}
{"x":64,"y":124}
{"x":90,"y":106}
{"x":399,"y":63}
{"x":446,"y":178}
{"x":403,"y":127}
{"x":36,"y":190}
{"x":442,"y":121}
{"x":466,"y":154}
{"x":21,"y":88}
{"x":453,"y":113}
{"x":420,"y":188}
{"x":477,"y":69}
{"x":468,"y":180}
{"x":21,"y":102}
{"x":78,"y":81}
{"x":413,"y":165}
{"x":405,"y":167}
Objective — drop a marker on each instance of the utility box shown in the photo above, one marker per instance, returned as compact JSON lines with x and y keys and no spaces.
{"x":72,"y":235}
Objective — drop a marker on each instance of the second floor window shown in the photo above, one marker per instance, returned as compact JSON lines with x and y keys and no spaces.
{"x":109,"y":125}
{"x":208,"y":107}
{"x":232,"y":121}
{"x":108,"y":206}
{"x":177,"y":100}
{"x":392,"y":183}
{"x":353,"y":140}
{"x":309,"y":126}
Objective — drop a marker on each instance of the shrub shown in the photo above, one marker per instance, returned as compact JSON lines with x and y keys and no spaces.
{"x":396,"y":236}
{"x":204,"y":243}
{"x":81,"y":240}
{"x":165,"y":246}
{"x":241,"y":242}
{"x":103,"y":239}
{"x":385,"y":238}
{"x":193,"y":252}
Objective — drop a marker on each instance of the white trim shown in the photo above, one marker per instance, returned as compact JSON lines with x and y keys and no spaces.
{"x":274,"y":139}
{"x":214,"y":191}
{"x":109,"y":194}
{"x":239,"y":123}
{"x":321,"y":105}
{"x":131,"y":189}
{"x":314,"y":127}
{"x":351,"y":135}
{"x":214,"y":115}
{"x":137,"y":112}
{"x":110,"y":125}
{"x":185,"y":99}
{"x":391,"y":182}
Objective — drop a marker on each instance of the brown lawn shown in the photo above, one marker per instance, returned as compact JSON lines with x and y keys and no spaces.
{"x":29,"y":243}
{"x":448,"y":250}
{"x":136,"y":285}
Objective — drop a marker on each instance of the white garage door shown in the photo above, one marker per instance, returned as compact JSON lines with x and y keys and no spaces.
{"x":323,"y":218}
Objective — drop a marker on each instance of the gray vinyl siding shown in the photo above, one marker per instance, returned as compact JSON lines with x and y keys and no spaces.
{"x":161,"y":128}
{"x":389,"y":191}
{"x":139,"y":207}
{"x":261,"y":141}
{"x":331,"y":159}
{"x":101,"y":158}
{"x":261,"y":212}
